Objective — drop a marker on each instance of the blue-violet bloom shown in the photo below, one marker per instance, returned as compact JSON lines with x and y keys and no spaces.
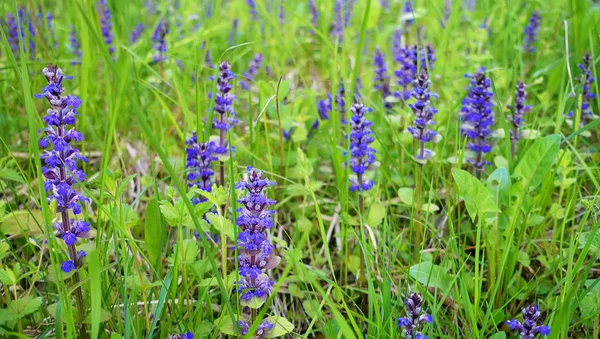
{"x":413,"y":322}
{"x":362,"y":155}
{"x":530,"y":327}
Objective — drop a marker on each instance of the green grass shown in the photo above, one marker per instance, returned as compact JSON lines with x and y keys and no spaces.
{"x":478,"y":250}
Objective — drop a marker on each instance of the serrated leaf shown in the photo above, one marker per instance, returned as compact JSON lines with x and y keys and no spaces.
{"x":376,"y":214}
{"x":431,"y":275}
{"x":222,"y":224}
{"x":126,"y":215}
{"x":536,"y":163}
{"x":186,"y":253}
{"x":7,"y":277}
{"x":10,"y":174}
{"x":478,"y":199}
{"x":20,"y":308}
{"x":169,"y":212}
{"x":3,"y":250}
{"x":282,"y":326}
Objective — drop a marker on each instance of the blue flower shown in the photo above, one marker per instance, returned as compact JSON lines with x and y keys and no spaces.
{"x":531,"y":32}
{"x":529,"y":328}
{"x":413,"y":322}
{"x":160,"y":44}
{"x":136,"y":33}
{"x":518,"y":112}
{"x":586,"y":78}
{"x":253,"y":68}
{"x":314,"y":13}
{"x":337,"y":29}
{"x":361,"y":154}
{"x":199,"y":157}
{"x":262,"y":331}
{"x":67,"y":266}
{"x":382,"y":78}
{"x":423,"y":115}
{"x":106,"y":25}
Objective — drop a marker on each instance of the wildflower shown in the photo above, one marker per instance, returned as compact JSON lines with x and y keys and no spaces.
{"x":406,"y":57}
{"x":423,"y":115}
{"x":160,"y":45}
{"x":447,"y":12}
{"x":75,"y":46}
{"x":531,"y":32}
{"x":529,"y":328}
{"x":25,"y":17}
{"x":262,"y":331}
{"x":287,"y":134}
{"x":253,"y":68}
{"x":407,"y":12}
{"x":281,"y":13}
{"x":337,"y":29}
{"x":253,"y":12}
{"x":385,"y":4}
{"x":233,"y":32}
{"x":397,"y":48}
{"x":106,"y":24}
{"x":426,"y":57}
{"x":224,"y":105}
{"x":60,"y":163}
{"x":519,"y":110}
{"x":255,"y":252}
{"x":187,"y":335}
{"x":136,"y":33}
{"x":586,"y":78}
{"x":361,"y":154}
{"x":198,"y":165}
{"x":12,"y":30}
{"x":469,"y":5}
{"x":414,"y":320}
{"x":314,"y":13}
{"x":477,"y":115}
{"x":349,"y":6}
{"x":382,"y":79}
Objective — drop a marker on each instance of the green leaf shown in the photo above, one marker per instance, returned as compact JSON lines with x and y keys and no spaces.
{"x":595,"y":242}
{"x":155,"y":233}
{"x":7,"y":277}
{"x":499,"y":184}
{"x":3,"y":250}
{"x":95,"y":315}
{"x":203,"y":329}
{"x":10,"y":174}
{"x":225,"y":325}
{"x":536,"y":163}
{"x":499,"y":335}
{"x":478,"y":199}
{"x":222,"y":224}
{"x":254,"y":303}
{"x":126,"y":215}
{"x":22,"y":222}
{"x":170,"y":213}
{"x":376,"y":214}
{"x":20,"y":308}
{"x":431,"y":275}
{"x":189,"y":255}
{"x":406,"y":195}
{"x":282,"y":326}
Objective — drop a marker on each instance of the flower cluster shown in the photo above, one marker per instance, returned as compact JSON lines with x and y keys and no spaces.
{"x":407,"y":11}
{"x":423,"y":114}
{"x":12,"y":30}
{"x":187,"y":335}
{"x":75,"y":46}
{"x":337,"y":29}
{"x":529,"y":328}
{"x":60,"y":163}
{"x":314,"y":13}
{"x":224,"y":105}
{"x":414,"y":320}
{"x":531,"y":32}
{"x":263,"y":330}
{"x":406,"y":57}
{"x":382,"y":79}
{"x":106,"y":24}
{"x":361,"y":154}
{"x":253,"y":68}
{"x":586,"y":78}
{"x":518,"y":112}
{"x":198,"y":165}
{"x":255,"y":252}
{"x":252,"y":11}
{"x":160,"y":44}
{"x":477,"y":115}
{"x":25,"y":17}
{"x":136,"y":33}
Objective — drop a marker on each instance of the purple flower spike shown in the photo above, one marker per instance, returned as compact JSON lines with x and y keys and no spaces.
{"x":406,"y":58}
{"x":106,"y":24}
{"x":531,"y":32}
{"x":253,"y":67}
{"x":337,"y":29}
{"x":518,"y":112}
{"x":159,"y":39}
{"x":75,"y":46}
{"x":255,"y":251}
{"x":136,"y":34}
{"x":477,"y":115}
{"x":224,"y":105}
{"x":361,"y":154}
{"x":586,"y":78}
{"x":408,"y":11}
{"x":263,"y":330}
{"x":423,"y":115}
{"x":314,"y":13}
{"x":60,"y":158}
{"x":382,"y":78}
{"x":12,"y":29}
{"x":530,"y":327}
{"x":187,"y":335}
{"x":252,"y":11}
{"x":413,"y":322}
{"x":198,"y":164}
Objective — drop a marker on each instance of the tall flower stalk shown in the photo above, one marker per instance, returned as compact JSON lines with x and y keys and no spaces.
{"x":255,"y":251}
{"x":199,"y":158}
{"x":423,"y":115}
{"x":382,"y":78}
{"x":160,"y":43}
{"x":361,"y":153}
{"x":415,"y":319}
{"x":253,"y":67}
{"x":136,"y":33}
{"x":477,"y":115}
{"x":62,"y":173}
{"x":106,"y":24}
{"x":518,"y":112}
{"x":586,"y":78}
{"x":224,"y":107}
{"x":530,"y":327}
{"x":12,"y":32}
{"x":531,"y":32}
{"x":337,"y":28}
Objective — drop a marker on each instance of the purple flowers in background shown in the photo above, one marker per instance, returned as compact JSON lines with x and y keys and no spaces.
{"x":106,"y":24}
{"x":75,"y":46}
{"x":586,"y":78}
{"x":187,"y":335}
{"x":530,"y":327}
{"x":382,"y":78}
{"x":199,"y":158}
{"x":337,"y":29}
{"x":255,"y":251}
{"x":407,"y":11}
{"x":519,"y":110}
{"x":423,"y":115}
{"x":60,"y":163}
{"x":253,"y":12}
{"x":160,"y":44}
{"x":314,"y":13}
{"x":531,"y":32}
{"x":12,"y":30}
{"x":413,"y":322}
{"x":253,"y":68}
{"x":477,"y":115}
{"x":224,"y":106}
{"x":25,"y":18}
{"x":361,"y":153}
{"x":406,"y":57}
{"x":281,"y":13}
{"x":136,"y":33}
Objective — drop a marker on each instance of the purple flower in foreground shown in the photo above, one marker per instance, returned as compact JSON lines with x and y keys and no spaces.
{"x":531,"y":32}
{"x":136,"y":33}
{"x":106,"y":25}
{"x":361,"y":153}
{"x":423,"y":115}
{"x":406,"y":57}
{"x":586,"y":78}
{"x":255,"y":252}
{"x":413,"y":322}
{"x":530,"y":327}
{"x":253,"y":68}
{"x":199,"y":158}
{"x":60,"y":170}
{"x":262,"y":331}
{"x":160,"y":44}
{"x":477,"y":115}
{"x":187,"y":335}
{"x":518,"y":112}
{"x":382,"y":78}
{"x":287,"y":134}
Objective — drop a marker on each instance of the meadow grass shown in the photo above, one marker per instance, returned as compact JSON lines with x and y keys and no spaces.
{"x":477,"y":247}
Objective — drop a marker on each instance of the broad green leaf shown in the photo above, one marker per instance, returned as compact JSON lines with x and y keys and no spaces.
{"x":225,"y":325}
{"x":406,"y":195}
{"x":376,"y":214}
{"x":499,"y":184}
{"x":3,"y":250}
{"x":104,"y":317}
{"x":499,"y":335}
{"x":221,"y":224}
{"x":7,"y":277}
{"x":155,"y":232}
{"x":478,"y":199}
{"x":282,"y":326}
{"x":126,"y":215}
{"x":186,"y":253}
{"x":20,"y":308}
{"x":430,"y":208}
{"x":254,"y":303}
{"x":431,"y":275}
{"x":169,"y":212}
{"x":22,"y":222}
{"x":10,"y":174}
{"x":203,"y":329}
{"x":536,"y":163}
